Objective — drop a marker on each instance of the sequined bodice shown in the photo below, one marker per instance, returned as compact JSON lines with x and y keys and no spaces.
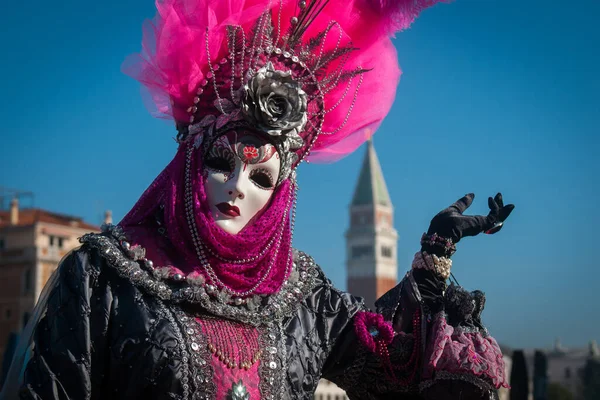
{"x":196,"y":347}
{"x":236,"y":352}
{"x":229,"y":360}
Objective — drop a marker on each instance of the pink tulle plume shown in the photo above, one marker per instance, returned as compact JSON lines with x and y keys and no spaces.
{"x":197,"y":51}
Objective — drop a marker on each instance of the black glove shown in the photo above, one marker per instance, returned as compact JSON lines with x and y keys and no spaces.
{"x":450,"y":225}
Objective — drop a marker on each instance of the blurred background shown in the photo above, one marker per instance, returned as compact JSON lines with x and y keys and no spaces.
{"x":494,"y":96}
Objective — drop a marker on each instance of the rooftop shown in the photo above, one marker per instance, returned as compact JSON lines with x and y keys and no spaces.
{"x":30,"y":216}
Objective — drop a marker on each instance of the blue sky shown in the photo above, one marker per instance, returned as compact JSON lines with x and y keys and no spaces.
{"x":495,"y":96}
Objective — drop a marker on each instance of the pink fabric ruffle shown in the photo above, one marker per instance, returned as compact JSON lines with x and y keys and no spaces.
{"x":457,"y":352}
{"x":371,"y":327}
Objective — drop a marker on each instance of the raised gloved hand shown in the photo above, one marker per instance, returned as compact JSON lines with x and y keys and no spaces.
{"x":450,"y":225}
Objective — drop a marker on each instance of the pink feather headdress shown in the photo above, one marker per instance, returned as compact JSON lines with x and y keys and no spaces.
{"x":316,"y":77}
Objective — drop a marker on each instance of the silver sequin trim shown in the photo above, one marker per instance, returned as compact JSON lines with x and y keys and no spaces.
{"x":275,"y":307}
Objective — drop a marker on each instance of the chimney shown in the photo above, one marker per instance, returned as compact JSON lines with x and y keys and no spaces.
{"x":14,"y":211}
{"x":108,"y":217}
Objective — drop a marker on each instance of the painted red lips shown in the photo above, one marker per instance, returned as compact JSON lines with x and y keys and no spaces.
{"x":228,"y":209}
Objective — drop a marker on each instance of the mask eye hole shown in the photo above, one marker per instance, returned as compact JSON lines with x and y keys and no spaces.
{"x":218,"y":164}
{"x":262,"y":178}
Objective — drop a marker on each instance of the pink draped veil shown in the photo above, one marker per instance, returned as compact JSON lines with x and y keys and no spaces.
{"x":174,"y":247}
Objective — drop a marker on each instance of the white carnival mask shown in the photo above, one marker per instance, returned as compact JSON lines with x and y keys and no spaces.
{"x":241,"y":173}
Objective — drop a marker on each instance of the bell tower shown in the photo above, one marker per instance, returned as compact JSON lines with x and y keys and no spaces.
{"x":371,"y":240}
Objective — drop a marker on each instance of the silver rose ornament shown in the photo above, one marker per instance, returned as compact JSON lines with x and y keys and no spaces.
{"x":275,"y":103}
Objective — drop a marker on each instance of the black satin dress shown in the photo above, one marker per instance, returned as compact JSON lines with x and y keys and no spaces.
{"x":112,"y":330}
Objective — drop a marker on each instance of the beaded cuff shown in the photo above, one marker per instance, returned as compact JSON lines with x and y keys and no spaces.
{"x":435,"y":241}
{"x":440,"y":265}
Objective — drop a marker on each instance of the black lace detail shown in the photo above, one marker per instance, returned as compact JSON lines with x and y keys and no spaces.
{"x":463,"y":309}
{"x":365,"y":378}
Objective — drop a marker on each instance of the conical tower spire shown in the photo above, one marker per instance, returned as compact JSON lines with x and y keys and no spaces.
{"x":371,"y":188}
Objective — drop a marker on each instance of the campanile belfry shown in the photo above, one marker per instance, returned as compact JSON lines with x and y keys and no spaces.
{"x":371,"y":239}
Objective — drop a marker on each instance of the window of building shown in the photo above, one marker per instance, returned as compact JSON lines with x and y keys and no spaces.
{"x":567,"y":373}
{"x":361,"y":219}
{"x":361,"y":251}
{"x":27,"y":282}
{"x":1,"y":243}
{"x":56,"y":241}
{"x":386,"y":251}
{"x":7,"y":314}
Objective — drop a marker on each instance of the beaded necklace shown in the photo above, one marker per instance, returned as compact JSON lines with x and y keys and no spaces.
{"x":235,"y":344}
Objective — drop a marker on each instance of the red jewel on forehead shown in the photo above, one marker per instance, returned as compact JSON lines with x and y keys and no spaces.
{"x":254,"y":152}
{"x":250,"y":152}
{"x":250,"y":147}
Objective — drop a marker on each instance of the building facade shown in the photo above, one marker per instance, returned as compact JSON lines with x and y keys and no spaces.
{"x":565,"y":364}
{"x":32,"y":243}
{"x":372,"y":241}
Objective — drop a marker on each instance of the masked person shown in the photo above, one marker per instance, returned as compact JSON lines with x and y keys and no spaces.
{"x":198,"y":293}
